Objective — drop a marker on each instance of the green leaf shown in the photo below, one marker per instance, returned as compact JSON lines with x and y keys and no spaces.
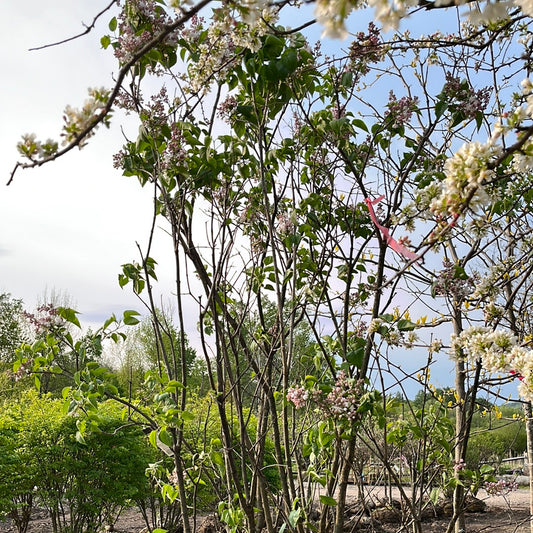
{"x":272,"y":46}
{"x":187,"y":416}
{"x":217,"y":458}
{"x":347,"y":79}
{"x":165,"y":437}
{"x":80,"y":438}
{"x":69,"y":315}
{"x":434,"y":495}
{"x":328,"y":500}
{"x":113,"y":24}
{"x":358,"y":123}
{"x":405,"y":325}
{"x":440,"y":107}
{"x":486,"y":469}
{"x":479,"y":120}
{"x":173,"y":386}
{"x":355,"y":357}
{"x":130,"y":318}
{"x":111,"y":389}
{"x":294,"y":516}
{"x":105,"y":41}
{"x":111,"y":320}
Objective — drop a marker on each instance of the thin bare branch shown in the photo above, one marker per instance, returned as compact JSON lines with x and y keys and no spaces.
{"x":88,"y":29}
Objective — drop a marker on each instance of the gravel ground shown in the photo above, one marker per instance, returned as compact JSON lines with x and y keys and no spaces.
{"x":504,"y":514}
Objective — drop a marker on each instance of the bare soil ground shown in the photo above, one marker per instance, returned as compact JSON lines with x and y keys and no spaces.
{"x":503,"y":514}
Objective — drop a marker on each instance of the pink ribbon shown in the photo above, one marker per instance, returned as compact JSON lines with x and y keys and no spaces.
{"x":515,"y":374}
{"x":389,"y":239}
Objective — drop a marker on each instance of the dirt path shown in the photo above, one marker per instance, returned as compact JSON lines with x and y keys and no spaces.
{"x":504,"y":514}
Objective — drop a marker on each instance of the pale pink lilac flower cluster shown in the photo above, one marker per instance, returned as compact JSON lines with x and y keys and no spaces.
{"x":44,"y":319}
{"x":252,"y":218}
{"x":128,"y":102}
{"x":500,"y":487}
{"x":139,"y":22}
{"x":173,"y":477}
{"x":156,"y":112}
{"x":285,"y":224}
{"x":23,"y":370}
{"x":298,"y":396}
{"x":467,"y":100}
{"x":193,"y":31}
{"x":449,"y":283}
{"x":342,"y":402}
{"x":400,"y":111}
{"x":366,"y":48}
{"x":459,"y":466}
{"x":227,"y":108}
{"x":174,"y":155}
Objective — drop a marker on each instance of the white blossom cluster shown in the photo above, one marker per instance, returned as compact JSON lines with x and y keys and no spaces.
{"x":331,"y":14}
{"x":469,"y":170}
{"x":526,"y":6}
{"x":389,"y":14}
{"x":466,"y":173}
{"x":490,"y":11}
{"x":34,"y":149}
{"x":77,"y":120}
{"x":224,"y":35}
{"x":499,"y":353}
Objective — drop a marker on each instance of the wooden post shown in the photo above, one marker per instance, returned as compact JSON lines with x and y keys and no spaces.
{"x":529,"y":435}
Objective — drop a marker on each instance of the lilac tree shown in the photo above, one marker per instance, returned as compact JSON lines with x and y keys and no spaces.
{"x":299,"y":189}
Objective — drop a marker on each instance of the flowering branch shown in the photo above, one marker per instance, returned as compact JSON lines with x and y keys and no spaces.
{"x":106,"y":109}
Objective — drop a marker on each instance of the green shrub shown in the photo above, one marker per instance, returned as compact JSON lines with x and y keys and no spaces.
{"x":16,"y":473}
{"x":83,"y":485}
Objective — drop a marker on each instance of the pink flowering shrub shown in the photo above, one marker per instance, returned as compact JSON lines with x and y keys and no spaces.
{"x":45,"y":318}
{"x":298,"y":396}
{"x":500,"y":487}
{"x":341,"y":402}
{"x":400,"y":111}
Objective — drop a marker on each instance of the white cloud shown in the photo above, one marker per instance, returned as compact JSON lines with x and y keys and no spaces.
{"x":70,"y":224}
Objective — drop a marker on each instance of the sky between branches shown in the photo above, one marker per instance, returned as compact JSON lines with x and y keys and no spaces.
{"x":70,"y":225}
